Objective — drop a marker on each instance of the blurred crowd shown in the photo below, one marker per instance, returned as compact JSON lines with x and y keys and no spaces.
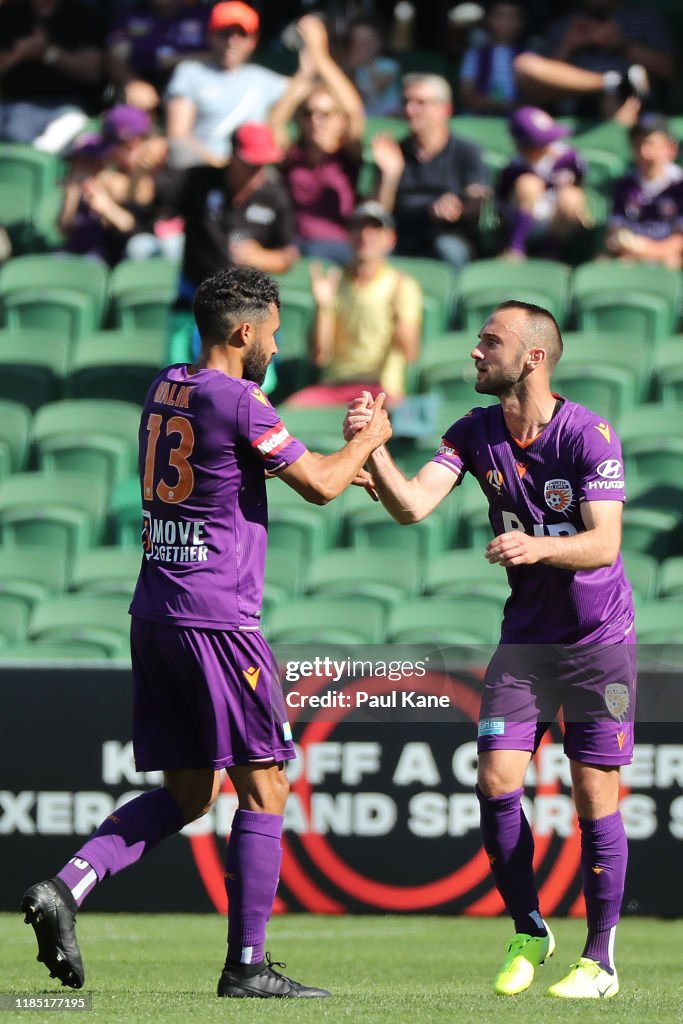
{"x":256,"y":134}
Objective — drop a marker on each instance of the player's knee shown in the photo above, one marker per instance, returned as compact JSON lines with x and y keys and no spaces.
{"x":491,"y":781}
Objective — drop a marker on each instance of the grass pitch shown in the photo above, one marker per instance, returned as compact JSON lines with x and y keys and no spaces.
{"x":381,"y":970}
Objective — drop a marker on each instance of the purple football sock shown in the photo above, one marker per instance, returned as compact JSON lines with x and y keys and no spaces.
{"x":509,"y":845}
{"x":520,"y":230}
{"x":252,"y":871}
{"x":604,"y":855}
{"x":123,"y":838}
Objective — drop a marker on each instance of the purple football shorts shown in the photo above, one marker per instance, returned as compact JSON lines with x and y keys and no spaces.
{"x":205,"y":698}
{"x":525,"y":686}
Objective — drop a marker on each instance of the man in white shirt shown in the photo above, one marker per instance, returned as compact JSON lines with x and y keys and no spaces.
{"x":207,"y":100}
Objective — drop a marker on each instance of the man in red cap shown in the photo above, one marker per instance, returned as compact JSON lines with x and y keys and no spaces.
{"x":238,"y":214}
{"x":207,"y":100}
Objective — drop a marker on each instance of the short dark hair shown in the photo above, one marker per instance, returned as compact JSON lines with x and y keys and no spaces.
{"x":232,"y":296}
{"x":544,"y":328}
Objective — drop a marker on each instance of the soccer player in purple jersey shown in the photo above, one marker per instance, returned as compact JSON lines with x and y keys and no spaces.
{"x":206,"y":691}
{"x":552,"y":473}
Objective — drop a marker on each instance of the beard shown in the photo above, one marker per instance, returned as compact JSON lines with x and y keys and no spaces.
{"x":501,"y":381}
{"x":255,"y":367}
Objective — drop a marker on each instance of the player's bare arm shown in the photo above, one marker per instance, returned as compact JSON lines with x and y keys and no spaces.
{"x":594,"y":548}
{"x":319,"y":479}
{"x":409,"y":501}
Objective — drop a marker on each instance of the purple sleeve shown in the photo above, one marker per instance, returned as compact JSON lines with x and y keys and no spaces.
{"x":600,"y":463}
{"x":452,"y":452}
{"x":260,"y":424}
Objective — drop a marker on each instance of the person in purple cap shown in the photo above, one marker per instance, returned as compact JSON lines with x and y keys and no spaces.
{"x":540,"y":192}
{"x":109,"y":190}
{"x":552,"y":474}
{"x":646,"y":223}
{"x":206,"y":689}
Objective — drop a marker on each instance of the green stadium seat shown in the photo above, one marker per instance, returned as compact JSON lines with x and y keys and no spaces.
{"x":14,"y":616}
{"x":670,"y":583}
{"x":447,"y":621}
{"x":659,"y":621}
{"x":292,"y":364}
{"x":485,"y":283}
{"x":583,"y":348}
{"x":16,"y":205}
{"x":386,"y":576}
{"x":465,"y":573}
{"x":15,"y":420}
{"x":668,"y":382}
{"x":28,"y":168}
{"x":31,"y":573}
{"x":605,"y":136}
{"x":371,"y":529}
{"x":125,"y":513}
{"x":74,"y":617}
{"x":455,"y":386}
{"x":62,"y":294}
{"x":33,"y":365}
{"x":659,"y":460}
{"x":327,"y":620}
{"x":641,"y":299}
{"x":300,"y":529}
{"x":651,"y":532}
{"x":438,"y":283}
{"x":318,"y":421}
{"x":607,"y":390}
{"x":88,"y":436}
{"x":604,"y":166}
{"x":63,"y":511}
{"x":38,"y":651}
{"x":142,"y":292}
{"x":123,"y":372}
{"x":108,"y":571}
{"x":285,"y":573}
{"x":642,"y":572}
{"x":648,"y":420}
{"x":284,"y":499}
{"x":396,"y":127}
{"x":489,"y":133}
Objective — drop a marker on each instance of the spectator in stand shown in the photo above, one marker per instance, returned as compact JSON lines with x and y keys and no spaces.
{"x":377,"y":78}
{"x":322,"y":164}
{"x":488,"y":84}
{"x":50,"y":71}
{"x":600,"y":53}
{"x":368,"y":318}
{"x":647,"y":213}
{"x":432,"y":181}
{"x":109,"y":190}
{"x":239,"y":214}
{"x":540,"y":190}
{"x":207,"y":100}
{"x":147,"y":42}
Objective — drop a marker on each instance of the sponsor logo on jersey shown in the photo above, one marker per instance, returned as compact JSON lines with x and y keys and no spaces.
{"x":617,"y":699}
{"x":273,"y":441}
{"x":251,"y":675}
{"x":610,"y":469}
{"x":495,"y":479}
{"x":621,"y":736}
{"x":521,"y":468}
{"x":491,"y":727}
{"x":558,"y":494}
{"x":171,"y":540}
{"x":603,"y":428}
{"x":605,"y":485}
{"x":259,"y":396}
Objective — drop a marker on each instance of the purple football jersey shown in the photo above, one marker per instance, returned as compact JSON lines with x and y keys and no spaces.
{"x":650,"y":208}
{"x":561,"y":165}
{"x":537,"y":487}
{"x":205,"y":443}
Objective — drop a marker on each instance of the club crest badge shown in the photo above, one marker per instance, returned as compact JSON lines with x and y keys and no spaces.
{"x":617,"y":700}
{"x":558,"y":495}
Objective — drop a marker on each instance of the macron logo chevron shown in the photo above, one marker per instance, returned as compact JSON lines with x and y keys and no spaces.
{"x":251,"y":675}
{"x":604,"y":430}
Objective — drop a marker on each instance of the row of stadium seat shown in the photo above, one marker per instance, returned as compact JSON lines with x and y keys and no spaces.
{"x":73,"y":512}
{"x":72,"y":296}
{"x":99,"y":625}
